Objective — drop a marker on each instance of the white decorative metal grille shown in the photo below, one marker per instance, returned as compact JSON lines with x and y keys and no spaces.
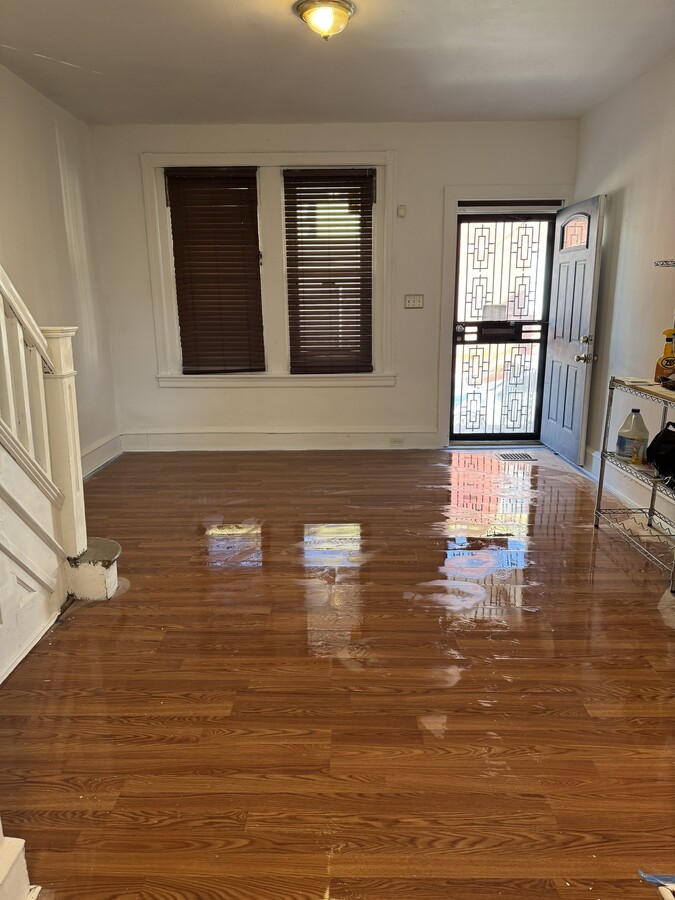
{"x":499,"y":325}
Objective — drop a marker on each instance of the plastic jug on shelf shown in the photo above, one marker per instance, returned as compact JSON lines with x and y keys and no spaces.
{"x":632,"y":440}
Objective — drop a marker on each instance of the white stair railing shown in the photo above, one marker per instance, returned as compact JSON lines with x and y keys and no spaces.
{"x":25,"y":360}
{"x":38,"y":410}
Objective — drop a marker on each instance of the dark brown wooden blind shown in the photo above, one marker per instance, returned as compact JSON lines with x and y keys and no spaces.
{"x":329,"y":259}
{"x":214,"y":220}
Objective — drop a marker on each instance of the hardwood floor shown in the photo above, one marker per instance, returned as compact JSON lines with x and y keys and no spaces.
{"x":349,"y":675}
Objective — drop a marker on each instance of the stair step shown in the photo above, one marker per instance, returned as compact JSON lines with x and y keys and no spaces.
{"x":93,"y":574}
{"x":100,"y":551}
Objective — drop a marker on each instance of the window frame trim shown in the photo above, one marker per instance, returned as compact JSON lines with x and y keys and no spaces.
{"x":162,"y":278}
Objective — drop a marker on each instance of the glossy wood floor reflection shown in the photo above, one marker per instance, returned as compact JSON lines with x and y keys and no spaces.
{"x":333,"y":676}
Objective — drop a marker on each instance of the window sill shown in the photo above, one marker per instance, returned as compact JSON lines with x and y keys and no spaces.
{"x":267,"y":381}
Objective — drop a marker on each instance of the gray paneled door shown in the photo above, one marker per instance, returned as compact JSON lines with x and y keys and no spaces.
{"x":570,"y":355}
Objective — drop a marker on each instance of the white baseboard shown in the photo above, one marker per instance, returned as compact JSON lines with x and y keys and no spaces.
{"x":100,"y":453}
{"x":422,"y":438}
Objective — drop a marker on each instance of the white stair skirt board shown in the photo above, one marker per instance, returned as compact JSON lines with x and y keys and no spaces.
{"x":14,"y":883}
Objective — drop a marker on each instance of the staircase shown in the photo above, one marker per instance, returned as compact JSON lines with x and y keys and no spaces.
{"x":13,"y":874}
{"x":45,"y":557}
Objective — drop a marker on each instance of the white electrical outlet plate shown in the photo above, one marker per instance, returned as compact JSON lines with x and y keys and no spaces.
{"x":414,"y":301}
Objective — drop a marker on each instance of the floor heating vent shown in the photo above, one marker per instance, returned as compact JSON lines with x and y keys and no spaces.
{"x":517,"y":457}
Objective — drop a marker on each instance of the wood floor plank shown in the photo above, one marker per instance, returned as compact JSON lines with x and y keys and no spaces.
{"x":442,"y":889}
{"x":224,"y":887}
{"x":93,"y":888}
{"x":412,"y":674}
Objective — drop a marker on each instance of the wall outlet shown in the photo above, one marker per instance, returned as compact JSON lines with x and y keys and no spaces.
{"x":397,"y":442}
{"x":414,"y":301}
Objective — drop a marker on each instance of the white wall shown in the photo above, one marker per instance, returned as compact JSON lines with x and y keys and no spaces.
{"x":46,"y":239}
{"x":429,"y":157}
{"x":627,"y":150}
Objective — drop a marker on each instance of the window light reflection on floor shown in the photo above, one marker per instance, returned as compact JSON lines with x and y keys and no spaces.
{"x":237,"y":545}
{"x":334,"y":546}
{"x":332,"y":556}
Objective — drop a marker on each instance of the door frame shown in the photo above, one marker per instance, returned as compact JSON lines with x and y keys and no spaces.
{"x":453,"y":196}
{"x":467,"y":216}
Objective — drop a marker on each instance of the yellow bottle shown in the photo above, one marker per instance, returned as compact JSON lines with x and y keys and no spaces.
{"x":665,"y":364}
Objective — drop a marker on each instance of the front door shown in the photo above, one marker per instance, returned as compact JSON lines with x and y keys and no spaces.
{"x":569,"y":357}
{"x":501,"y":312}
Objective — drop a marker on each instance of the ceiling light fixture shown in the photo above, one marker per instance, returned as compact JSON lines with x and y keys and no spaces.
{"x":326,"y":17}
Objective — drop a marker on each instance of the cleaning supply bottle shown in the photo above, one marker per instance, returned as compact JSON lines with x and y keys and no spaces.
{"x":631,"y":443}
{"x":665,"y":364}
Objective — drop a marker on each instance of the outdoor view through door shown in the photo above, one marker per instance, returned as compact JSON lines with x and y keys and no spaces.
{"x":501,"y":313}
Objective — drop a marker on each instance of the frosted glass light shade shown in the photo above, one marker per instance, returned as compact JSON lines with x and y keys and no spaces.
{"x":325,"y":17}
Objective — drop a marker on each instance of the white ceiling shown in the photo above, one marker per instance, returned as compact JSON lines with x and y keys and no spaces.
{"x":173,"y":61}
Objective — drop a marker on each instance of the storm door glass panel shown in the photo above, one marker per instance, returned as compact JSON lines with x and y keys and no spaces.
{"x":498,"y":386}
{"x":503,"y":278}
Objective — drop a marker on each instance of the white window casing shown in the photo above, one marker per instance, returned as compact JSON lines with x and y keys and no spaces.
{"x":273,"y":273}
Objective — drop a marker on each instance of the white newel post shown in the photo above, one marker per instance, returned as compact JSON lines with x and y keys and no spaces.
{"x":64,"y":438}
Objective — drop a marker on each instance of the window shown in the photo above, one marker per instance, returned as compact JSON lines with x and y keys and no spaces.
{"x":575,"y":233}
{"x":329,"y":268}
{"x":275,"y":324}
{"x":214,"y":223}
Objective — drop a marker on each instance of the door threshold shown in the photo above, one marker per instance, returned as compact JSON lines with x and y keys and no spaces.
{"x":491,"y":445}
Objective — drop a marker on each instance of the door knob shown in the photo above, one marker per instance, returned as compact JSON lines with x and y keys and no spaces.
{"x":585,"y":338}
{"x":585,"y":357}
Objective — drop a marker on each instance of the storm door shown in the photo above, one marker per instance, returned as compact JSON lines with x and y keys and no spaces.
{"x":500,"y":330}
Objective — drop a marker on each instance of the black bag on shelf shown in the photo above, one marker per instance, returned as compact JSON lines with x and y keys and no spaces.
{"x":661,"y":454}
